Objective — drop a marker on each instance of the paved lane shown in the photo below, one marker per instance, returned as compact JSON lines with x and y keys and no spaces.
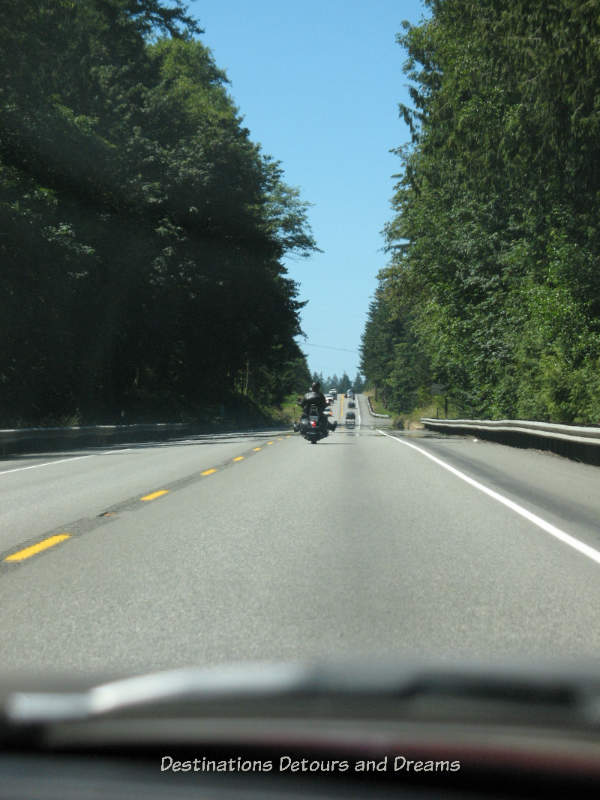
{"x":356,"y":546}
{"x":39,"y":494}
{"x":564,"y":493}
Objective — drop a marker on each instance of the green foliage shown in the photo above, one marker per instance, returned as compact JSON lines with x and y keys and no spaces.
{"x":493,"y":285}
{"x":143,"y":231}
{"x":390,"y":357}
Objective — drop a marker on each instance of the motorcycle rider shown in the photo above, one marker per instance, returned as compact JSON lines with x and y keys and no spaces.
{"x":316,"y":398}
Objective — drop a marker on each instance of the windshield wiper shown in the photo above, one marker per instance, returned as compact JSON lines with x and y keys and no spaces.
{"x":381,"y":691}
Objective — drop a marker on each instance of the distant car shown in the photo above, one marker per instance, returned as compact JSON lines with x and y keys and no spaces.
{"x":351,"y":404}
{"x":329,"y":398}
{"x":350,"y":419}
{"x":333,"y":393}
{"x":349,"y":393}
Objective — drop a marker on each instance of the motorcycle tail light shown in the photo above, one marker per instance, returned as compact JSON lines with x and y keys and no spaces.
{"x":313,"y":423}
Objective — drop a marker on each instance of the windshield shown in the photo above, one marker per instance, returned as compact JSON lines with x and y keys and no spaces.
{"x":206,"y":209}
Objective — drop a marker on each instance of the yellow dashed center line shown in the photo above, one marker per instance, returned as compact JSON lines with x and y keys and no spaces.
{"x":154,"y":495}
{"x":20,"y":555}
{"x":51,"y":541}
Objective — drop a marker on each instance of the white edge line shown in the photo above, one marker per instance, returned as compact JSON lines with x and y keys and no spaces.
{"x":565,"y":538}
{"x":45,"y":464}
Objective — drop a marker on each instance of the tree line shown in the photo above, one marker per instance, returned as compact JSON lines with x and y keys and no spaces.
{"x":142,"y":231}
{"x":493,"y":281}
{"x":340,"y":384}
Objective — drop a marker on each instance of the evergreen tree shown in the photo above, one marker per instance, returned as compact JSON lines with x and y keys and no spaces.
{"x":493,"y":280}
{"x":143,"y":231}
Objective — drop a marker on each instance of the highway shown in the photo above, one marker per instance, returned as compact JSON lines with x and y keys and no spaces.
{"x":257,"y":545}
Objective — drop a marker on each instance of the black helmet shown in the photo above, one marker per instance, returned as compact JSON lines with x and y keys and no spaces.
{"x":316,"y":386}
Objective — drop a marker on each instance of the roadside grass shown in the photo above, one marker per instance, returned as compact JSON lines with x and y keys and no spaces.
{"x":434,"y":408}
{"x":289,"y":411}
{"x":378,"y":406}
{"x":410,"y":420}
{"x":235,"y":411}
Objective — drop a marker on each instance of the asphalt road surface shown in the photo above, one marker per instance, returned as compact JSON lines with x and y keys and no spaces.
{"x":260,"y":546}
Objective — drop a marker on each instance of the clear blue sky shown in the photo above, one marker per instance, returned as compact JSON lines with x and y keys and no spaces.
{"x":318,"y":84}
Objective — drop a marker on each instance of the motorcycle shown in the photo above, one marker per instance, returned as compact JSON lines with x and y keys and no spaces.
{"x":313,"y":426}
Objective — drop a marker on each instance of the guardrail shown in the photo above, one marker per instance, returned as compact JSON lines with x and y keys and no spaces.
{"x":372,"y":413}
{"x":20,"y":440}
{"x":23,"y":440}
{"x":572,"y":441}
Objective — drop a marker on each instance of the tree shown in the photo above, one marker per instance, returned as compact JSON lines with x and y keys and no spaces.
{"x":358,"y":383}
{"x":143,"y":231}
{"x":494,"y":244}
